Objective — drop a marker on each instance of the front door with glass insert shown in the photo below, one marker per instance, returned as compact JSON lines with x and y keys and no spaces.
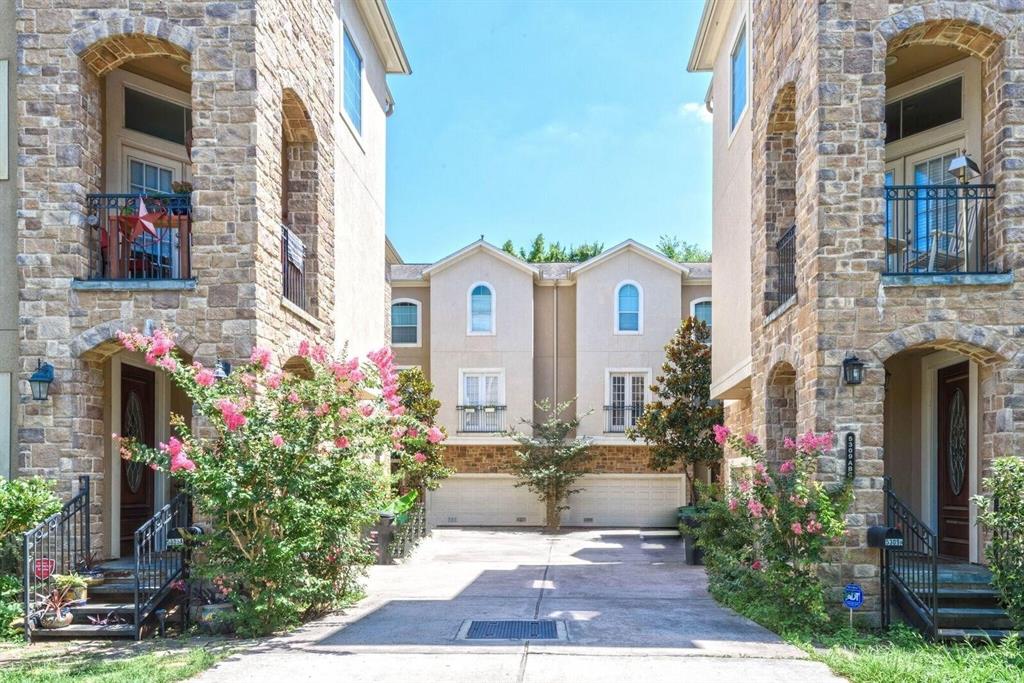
{"x":954,"y":413}
{"x":138,"y":410}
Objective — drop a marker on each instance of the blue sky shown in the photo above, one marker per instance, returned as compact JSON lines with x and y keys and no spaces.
{"x":572,"y":118}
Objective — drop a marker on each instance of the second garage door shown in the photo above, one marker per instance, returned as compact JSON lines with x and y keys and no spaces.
{"x":626,"y":500}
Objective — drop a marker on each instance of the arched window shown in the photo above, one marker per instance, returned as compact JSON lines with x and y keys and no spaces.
{"x":701,"y":310}
{"x":481,"y":309}
{"x":405,"y":322}
{"x":628,"y":308}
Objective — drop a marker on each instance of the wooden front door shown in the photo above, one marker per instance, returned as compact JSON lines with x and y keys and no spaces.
{"x":137,"y":422}
{"x":953,"y":466}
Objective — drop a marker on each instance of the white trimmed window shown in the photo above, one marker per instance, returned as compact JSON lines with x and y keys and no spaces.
{"x":701,"y":310}
{"x":481,"y":401}
{"x":405,"y":322}
{"x":627,"y":394}
{"x":4,"y":138}
{"x":352,"y":82}
{"x":629,"y":300}
{"x":738,"y":79}
{"x":480,"y":309}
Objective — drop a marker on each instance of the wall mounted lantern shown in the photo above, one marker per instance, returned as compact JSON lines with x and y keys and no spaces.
{"x":853,"y":370}
{"x":963,"y":168}
{"x":221,"y":369}
{"x":40,"y":381}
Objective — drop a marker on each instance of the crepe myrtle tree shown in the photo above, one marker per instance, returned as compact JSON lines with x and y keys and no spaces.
{"x":679,"y":424}
{"x":288,"y":471}
{"x":549,"y":462}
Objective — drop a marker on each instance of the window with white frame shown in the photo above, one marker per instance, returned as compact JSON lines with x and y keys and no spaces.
{"x":352,"y":82}
{"x":481,"y":309}
{"x":405,"y":322}
{"x":627,"y":392}
{"x":482,"y":404}
{"x":701,"y":310}
{"x":738,"y":84}
{"x":628,"y":308}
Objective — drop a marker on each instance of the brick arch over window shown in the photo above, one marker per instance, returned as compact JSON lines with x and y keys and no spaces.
{"x":983,"y":344}
{"x":780,"y":190}
{"x":106,"y":45}
{"x":976,"y":29}
{"x":300,"y":182}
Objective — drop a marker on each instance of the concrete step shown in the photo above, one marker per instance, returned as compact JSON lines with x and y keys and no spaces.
{"x":102,"y":608}
{"x":974,"y":618}
{"x":982,"y":634}
{"x":85,"y":631}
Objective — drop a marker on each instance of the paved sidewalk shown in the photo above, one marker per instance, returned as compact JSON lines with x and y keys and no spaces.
{"x":632,"y":610}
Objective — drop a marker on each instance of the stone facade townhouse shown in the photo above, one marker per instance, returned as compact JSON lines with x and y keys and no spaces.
{"x":496,"y":334}
{"x":215,"y":168}
{"x":867,"y":191}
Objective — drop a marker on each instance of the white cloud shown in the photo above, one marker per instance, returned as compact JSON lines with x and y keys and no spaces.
{"x":697,"y":110}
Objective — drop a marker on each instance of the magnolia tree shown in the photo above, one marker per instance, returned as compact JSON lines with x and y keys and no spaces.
{"x":420,"y":465}
{"x":287,"y":471}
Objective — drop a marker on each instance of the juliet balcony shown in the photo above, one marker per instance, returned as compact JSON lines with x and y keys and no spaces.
{"x":621,"y":416}
{"x":481,"y":419}
{"x":136,"y":240}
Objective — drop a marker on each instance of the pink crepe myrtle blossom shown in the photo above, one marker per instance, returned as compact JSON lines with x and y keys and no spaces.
{"x":419,"y":457}
{"x":277,"y":440}
{"x":260,"y":356}
{"x":789,"y":444}
{"x":811,"y":442}
{"x":344,"y":412}
{"x":435,"y":435}
{"x":744,"y":486}
{"x":366,"y":409}
{"x":721,"y":434}
{"x":303,"y":350}
{"x":341,"y":442}
{"x":750,"y":439}
{"x":173,"y":447}
{"x":322,"y":409}
{"x":274,"y":381}
{"x":231,"y":414}
{"x":205,"y":378}
{"x":796,"y":528}
{"x":755,"y":508}
{"x":153,"y":466}
{"x":399,"y":411}
{"x":756,"y":565}
{"x":182,"y":462}
{"x":733,"y":504}
{"x":249,"y":380}
{"x":798,"y":501}
{"x":356,"y":376}
{"x":293,"y":397}
{"x":787,"y":467}
{"x":413,"y":432}
{"x":813,"y":526}
{"x":319,"y":354}
{"x":167,"y":363}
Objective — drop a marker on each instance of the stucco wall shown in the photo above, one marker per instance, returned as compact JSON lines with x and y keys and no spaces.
{"x":731,"y":216}
{"x":510,"y":348}
{"x":545,"y":324}
{"x":692,"y":292}
{"x":359,"y":177}
{"x":8,"y":250}
{"x":599,"y":348}
{"x":415,"y":355}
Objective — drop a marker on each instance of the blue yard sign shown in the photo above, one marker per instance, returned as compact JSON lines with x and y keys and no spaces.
{"x":853,"y":597}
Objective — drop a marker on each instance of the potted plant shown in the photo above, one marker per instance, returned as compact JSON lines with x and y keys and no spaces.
{"x":73,"y":584}
{"x":90,"y":568}
{"x":208,"y":605}
{"x":55,"y":612}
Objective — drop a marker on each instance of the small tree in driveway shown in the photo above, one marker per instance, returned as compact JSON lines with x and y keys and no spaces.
{"x":549,"y":462}
{"x":678,"y":424}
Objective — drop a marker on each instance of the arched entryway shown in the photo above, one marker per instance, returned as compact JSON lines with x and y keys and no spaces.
{"x":780,"y":409}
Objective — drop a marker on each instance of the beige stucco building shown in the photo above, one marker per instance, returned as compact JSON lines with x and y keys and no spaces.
{"x":496,"y":334}
{"x":253,"y":133}
{"x":838,"y":132}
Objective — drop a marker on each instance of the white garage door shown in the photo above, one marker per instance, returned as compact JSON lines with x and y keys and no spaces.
{"x":627,"y":500}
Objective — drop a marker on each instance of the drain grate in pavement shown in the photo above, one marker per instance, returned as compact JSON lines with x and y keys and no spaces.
{"x":540,"y":629}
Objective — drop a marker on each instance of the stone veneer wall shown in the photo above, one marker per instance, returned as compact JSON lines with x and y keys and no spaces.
{"x":243,"y":55}
{"x":493,"y":459}
{"x":832,"y":58}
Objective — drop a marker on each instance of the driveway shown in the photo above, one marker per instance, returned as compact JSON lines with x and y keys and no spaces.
{"x":632,"y":611}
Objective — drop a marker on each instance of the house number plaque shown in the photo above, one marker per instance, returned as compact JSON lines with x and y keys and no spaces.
{"x":851,"y":455}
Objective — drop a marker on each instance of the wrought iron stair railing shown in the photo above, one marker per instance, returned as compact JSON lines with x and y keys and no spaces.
{"x":156,"y":564}
{"x":914,"y":568}
{"x":58,"y":545}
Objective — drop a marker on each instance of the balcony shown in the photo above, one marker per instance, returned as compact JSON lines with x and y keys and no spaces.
{"x":293,"y":268}
{"x":936,"y":230}
{"x":784,"y":267}
{"x":483,"y":419}
{"x":620,"y":416}
{"x":135,"y":238}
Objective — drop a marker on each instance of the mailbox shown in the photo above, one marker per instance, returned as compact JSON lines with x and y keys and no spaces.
{"x":178,"y":537}
{"x":886,"y":537}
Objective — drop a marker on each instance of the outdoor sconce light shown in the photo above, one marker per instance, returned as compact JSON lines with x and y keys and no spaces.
{"x":853,"y":370}
{"x":963,"y":168}
{"x":40,"y":381}
{"x":221,"y":369}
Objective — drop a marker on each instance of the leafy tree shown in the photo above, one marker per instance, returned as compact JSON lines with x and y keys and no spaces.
{"x":554,"y":252}
{"x":678,"y":424}
{"x":24,"y":503}
{"x":421,"y":465}
{"x":683,"y":251}
{"x":549,"y":462}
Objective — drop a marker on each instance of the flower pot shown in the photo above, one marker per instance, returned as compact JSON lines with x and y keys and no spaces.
{"x":214,"y":619}
{"x":94,"y":579}
{"x":78,"y":593}
{"x":52,"y":620}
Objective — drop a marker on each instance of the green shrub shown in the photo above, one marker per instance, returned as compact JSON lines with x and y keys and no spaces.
{"x":1005,"y":521}
{"x":24,"y":503}
{"x":288,"y":474}
{"x":10,"y":608}
{"x":765,"y":538}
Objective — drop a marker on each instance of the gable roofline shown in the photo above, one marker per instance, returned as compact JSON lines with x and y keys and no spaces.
{"x":634,"y":246}
{"x":709,"y":36}
{"x":381,"y":28}
{"x":477,"y":246}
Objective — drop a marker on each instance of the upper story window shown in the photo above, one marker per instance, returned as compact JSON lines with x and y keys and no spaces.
{"x":923,"y":110}
{"x":628,"y":308}
{"x":405,"y":322}
{"x":481,"y":309}
{"x":353,"y":83}
{"x":156,"y":116}
{"x":738,"y":83}
{"x":701,"y":310}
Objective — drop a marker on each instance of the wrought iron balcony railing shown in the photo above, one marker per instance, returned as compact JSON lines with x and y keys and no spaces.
{"x":293,"y":267}
{"x":484,"y":418}
{"x":139,"y":237}
{"x":938,"y":229}
{"x":620,"y":416}
{"x":784,"y":280}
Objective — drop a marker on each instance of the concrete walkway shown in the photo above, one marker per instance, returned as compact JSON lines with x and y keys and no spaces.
{"x":633,"y":611}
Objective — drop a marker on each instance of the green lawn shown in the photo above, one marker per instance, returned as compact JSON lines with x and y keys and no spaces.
{"x":109,"y":665}
{"x":902,"y":656}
